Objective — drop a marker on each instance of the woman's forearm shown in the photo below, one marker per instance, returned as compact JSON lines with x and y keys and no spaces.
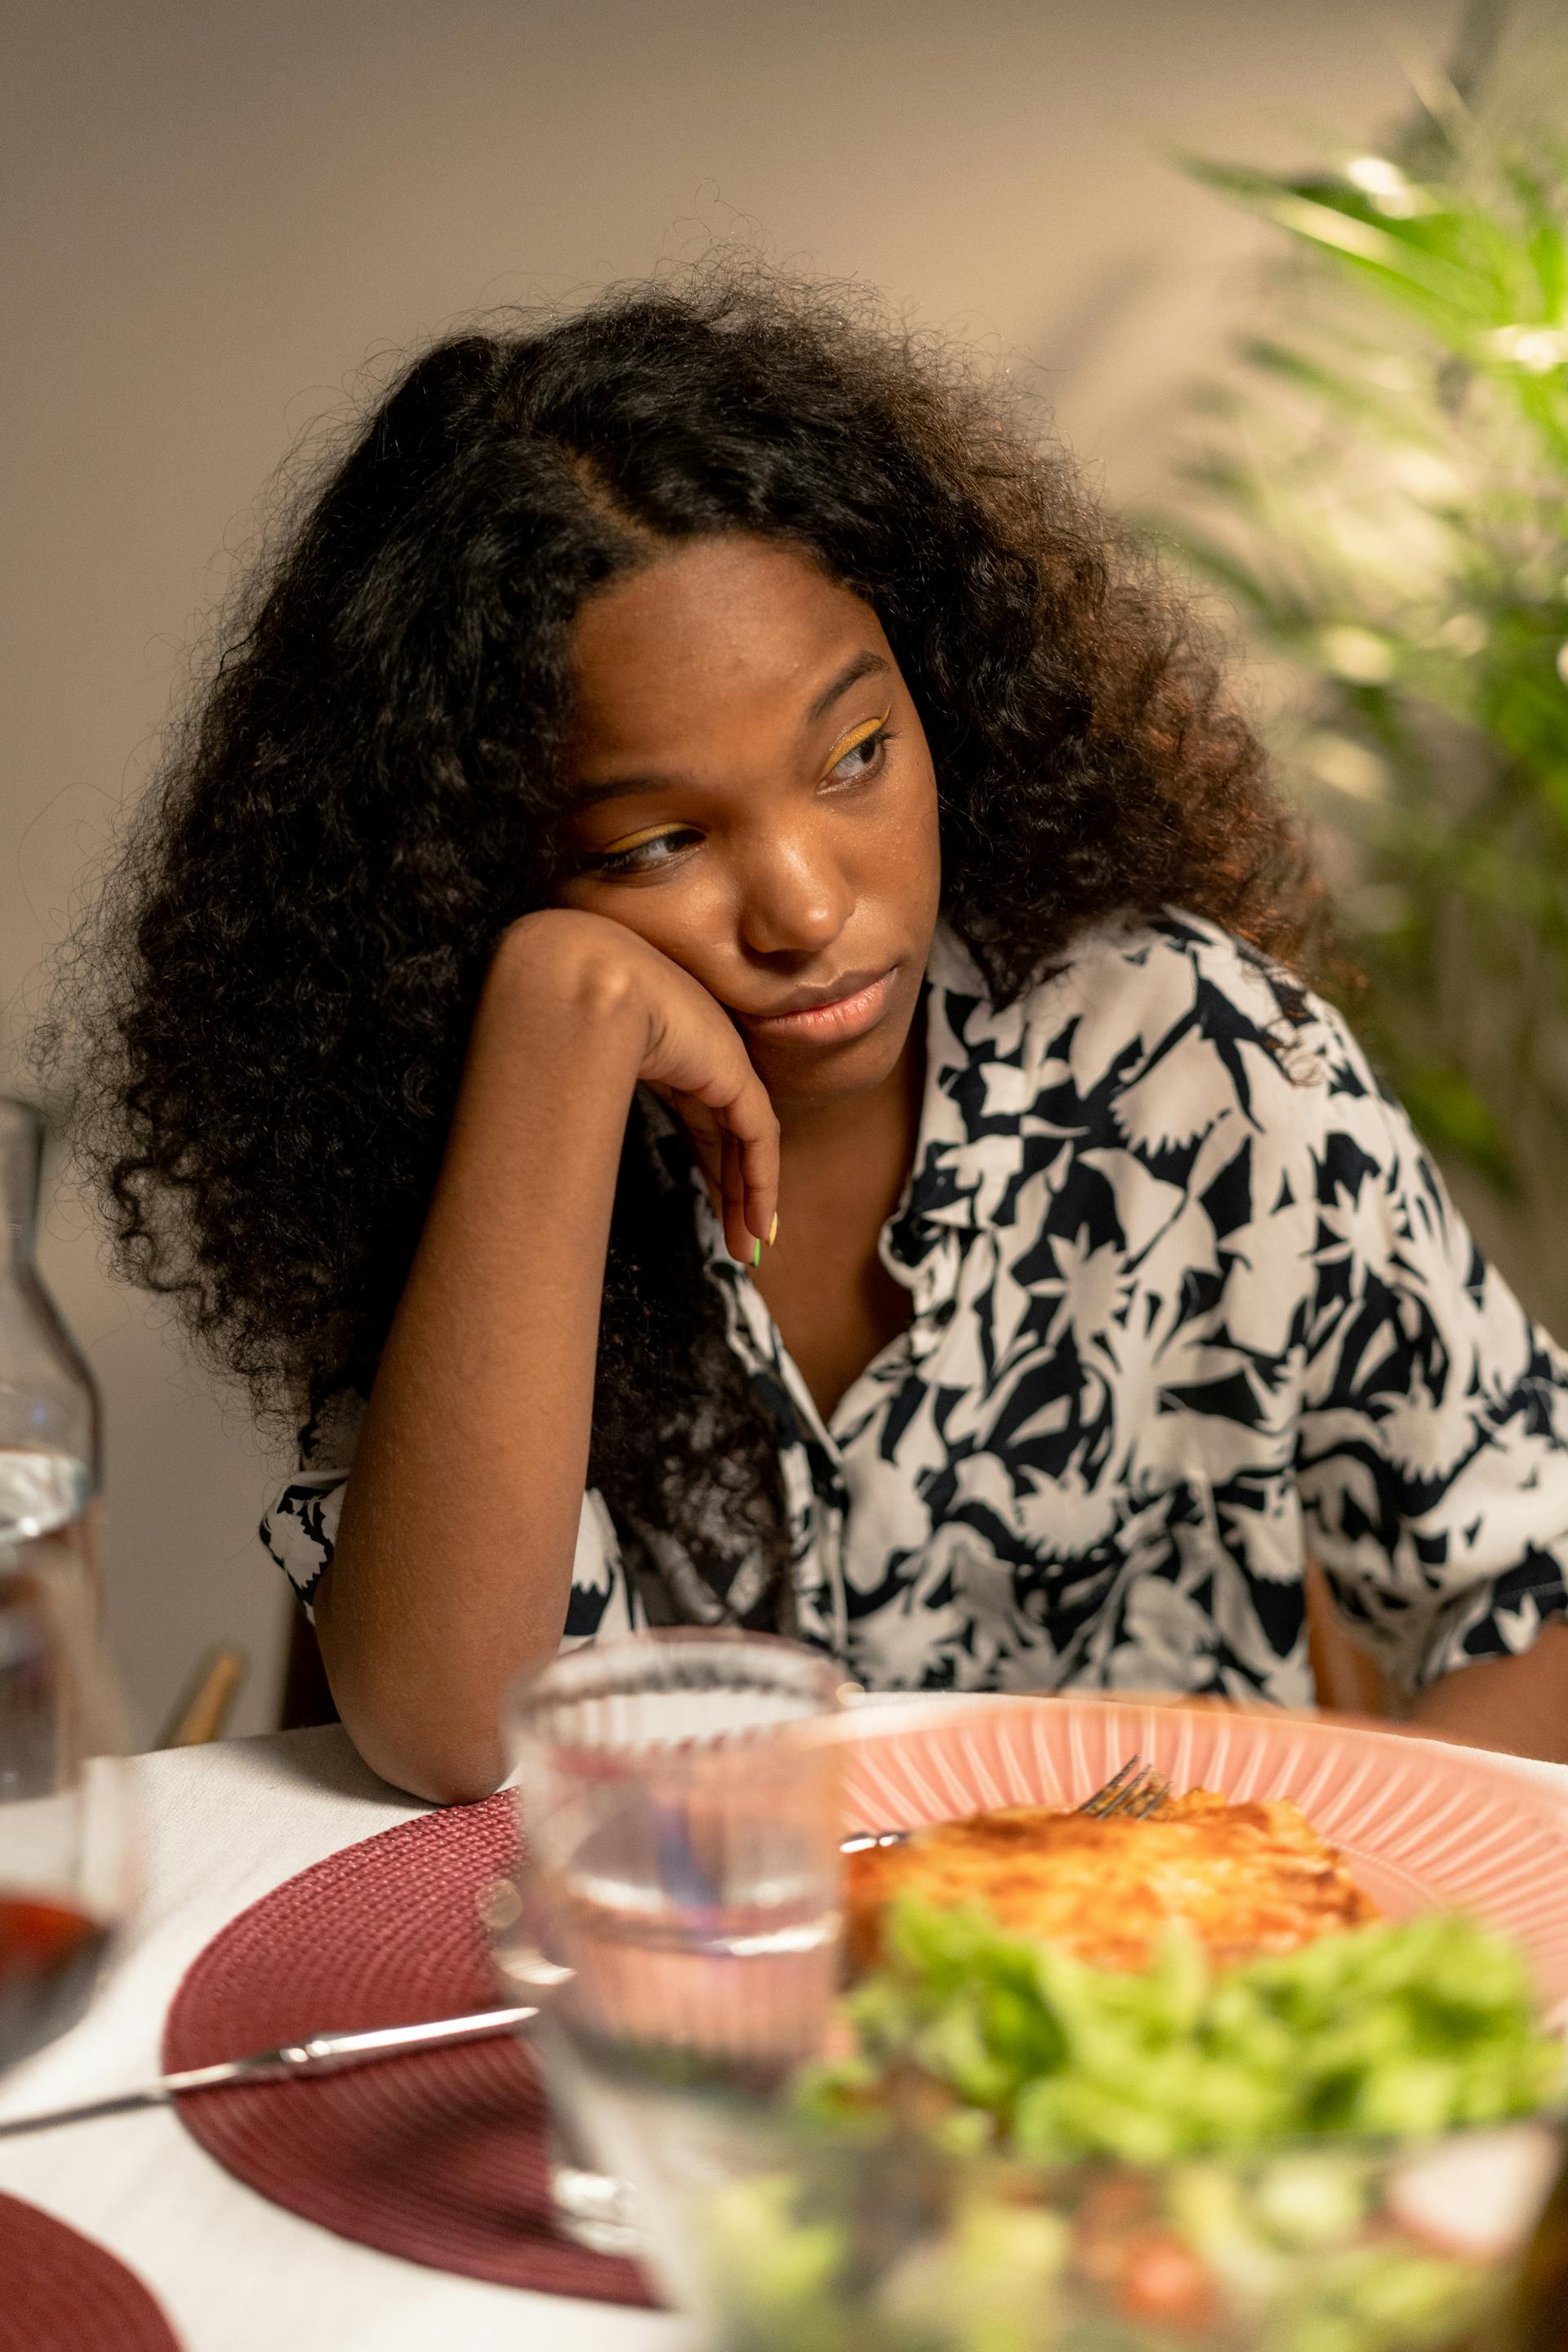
{"x":1519,"y":1705}
{"x":454,"y":1557}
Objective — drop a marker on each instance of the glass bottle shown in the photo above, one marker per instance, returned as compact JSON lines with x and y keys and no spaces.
{"x":50,"y":1447}
{"x":67,"y":1856}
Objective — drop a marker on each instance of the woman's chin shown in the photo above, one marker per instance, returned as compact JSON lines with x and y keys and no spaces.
{"x":811,"y":1076}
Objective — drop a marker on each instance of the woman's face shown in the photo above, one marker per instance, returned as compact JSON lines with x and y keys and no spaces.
{"x":755,"y":799}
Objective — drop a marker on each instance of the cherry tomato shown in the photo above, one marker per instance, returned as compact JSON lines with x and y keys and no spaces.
{"x":1162,"y":2280}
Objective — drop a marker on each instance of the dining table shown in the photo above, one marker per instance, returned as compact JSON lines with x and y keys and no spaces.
{"x":216,"y":1827}
{"x":219,"y":1826}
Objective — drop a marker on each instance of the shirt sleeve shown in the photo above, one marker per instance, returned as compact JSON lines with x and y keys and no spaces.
{"x":300,"y":1529}
{"x":1432,"y":1457}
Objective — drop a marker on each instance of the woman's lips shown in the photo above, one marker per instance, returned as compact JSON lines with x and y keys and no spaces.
{"x":841,"y":1017}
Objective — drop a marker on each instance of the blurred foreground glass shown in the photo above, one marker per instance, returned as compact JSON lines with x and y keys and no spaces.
{"x":64,"y":1853}
{"x":782,"y":2238}
{"x":65,"y":1847}
{"x":679,"y":1891}
{"x":48,"y":1408}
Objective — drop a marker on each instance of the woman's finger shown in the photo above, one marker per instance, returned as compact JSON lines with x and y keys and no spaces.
{"x":760,"y":1174}
{"x":733,"y":1097}
{"x":706,"y":1138}
{"x":740,"y":1242}
{"x":751,"y":1123}
{"x":718,"y":1153}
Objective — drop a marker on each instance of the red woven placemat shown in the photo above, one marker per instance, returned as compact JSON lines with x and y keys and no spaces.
{"x":59,"y":2292}
{"x":438,"y":2156}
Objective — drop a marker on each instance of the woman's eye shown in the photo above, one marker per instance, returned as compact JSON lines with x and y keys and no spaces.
{"x":863,"y":759}
{"x":644,"y":856}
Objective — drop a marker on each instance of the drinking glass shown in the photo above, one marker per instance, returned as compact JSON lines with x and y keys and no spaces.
{"x":679,"y":1896}
{"x":64,"y":1853}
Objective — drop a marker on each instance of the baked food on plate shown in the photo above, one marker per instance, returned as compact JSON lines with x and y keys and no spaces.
{"x":1243,"y":1879}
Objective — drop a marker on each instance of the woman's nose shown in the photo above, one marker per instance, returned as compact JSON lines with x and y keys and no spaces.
{"x":795,"y":900}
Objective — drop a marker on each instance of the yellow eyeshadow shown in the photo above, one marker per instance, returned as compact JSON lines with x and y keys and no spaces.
{"x":636,"y":840}
{"x":846,"y":743}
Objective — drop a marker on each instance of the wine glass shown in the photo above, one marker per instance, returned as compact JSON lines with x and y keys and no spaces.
{"x":679,"y":1888}
{"x":64,"y":1853}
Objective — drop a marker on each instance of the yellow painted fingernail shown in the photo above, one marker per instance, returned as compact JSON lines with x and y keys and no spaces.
{"x":756,"y":1252}
{"x":774,"y":1230}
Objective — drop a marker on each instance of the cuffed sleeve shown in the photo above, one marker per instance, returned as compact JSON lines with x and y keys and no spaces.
{"x":300,"y":1532}
{"x":300,"y":1529}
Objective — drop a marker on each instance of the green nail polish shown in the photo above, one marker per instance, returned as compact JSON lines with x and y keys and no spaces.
{"x":756,"y":1252}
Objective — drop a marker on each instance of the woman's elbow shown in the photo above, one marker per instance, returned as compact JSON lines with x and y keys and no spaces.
{"x":433,"y":1763}
{"x":445,"y":1750}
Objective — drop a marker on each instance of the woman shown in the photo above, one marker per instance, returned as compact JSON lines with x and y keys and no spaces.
{"x":709,"y":994}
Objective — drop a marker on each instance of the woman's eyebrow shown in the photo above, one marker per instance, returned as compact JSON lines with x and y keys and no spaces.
{"x":629,"y":788}
{"x":864,"y":664}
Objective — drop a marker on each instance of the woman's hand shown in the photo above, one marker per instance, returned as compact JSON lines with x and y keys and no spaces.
{"x":588,"y":968}
{"x":454,"y":1558}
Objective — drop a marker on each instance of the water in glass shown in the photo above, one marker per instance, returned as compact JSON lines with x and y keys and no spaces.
{"x":680,"y":1900}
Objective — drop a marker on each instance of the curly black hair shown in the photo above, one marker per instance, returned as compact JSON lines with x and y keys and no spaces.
{"x":271,"y":1010}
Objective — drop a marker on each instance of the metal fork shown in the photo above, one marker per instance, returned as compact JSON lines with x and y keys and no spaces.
{"x":1137,"y":1790}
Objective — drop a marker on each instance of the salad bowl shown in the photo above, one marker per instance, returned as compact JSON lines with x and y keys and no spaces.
{"x":1378,"y":2193}
{"x":783,"y":2238}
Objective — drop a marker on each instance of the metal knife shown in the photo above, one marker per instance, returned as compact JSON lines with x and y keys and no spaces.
{"x":323,"y":2054}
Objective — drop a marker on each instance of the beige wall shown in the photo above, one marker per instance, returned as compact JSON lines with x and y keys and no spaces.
{"x":212,"y":215}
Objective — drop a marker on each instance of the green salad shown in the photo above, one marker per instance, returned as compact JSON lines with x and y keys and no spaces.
{"x":1022,"y":2153}
{"x":985,"y":2039}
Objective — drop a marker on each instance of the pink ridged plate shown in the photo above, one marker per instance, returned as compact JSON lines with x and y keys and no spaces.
{"x":1421,"y":1826}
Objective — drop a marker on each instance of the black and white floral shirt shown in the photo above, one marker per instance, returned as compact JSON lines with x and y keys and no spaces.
{"x":1189,"y":1302}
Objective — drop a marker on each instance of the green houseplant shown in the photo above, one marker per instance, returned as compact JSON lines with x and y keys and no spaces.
{"x":1378,"y":482}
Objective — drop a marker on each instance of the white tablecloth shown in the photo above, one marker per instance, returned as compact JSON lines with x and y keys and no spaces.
{"x":235,"y":2274}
